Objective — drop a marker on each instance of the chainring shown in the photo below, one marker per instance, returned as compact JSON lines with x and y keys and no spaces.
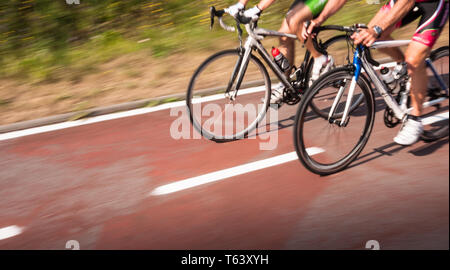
{"x":389,"y":118}
{"x":291,"y":98}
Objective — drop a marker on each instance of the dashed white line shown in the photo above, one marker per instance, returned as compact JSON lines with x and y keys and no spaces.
{"x":230,"y":172}
{"x":10,"y":231}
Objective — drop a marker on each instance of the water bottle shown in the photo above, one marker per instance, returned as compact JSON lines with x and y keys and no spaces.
{"x":280,"y":59}
{"x":386,"y":75}
{"x":400,"y":70}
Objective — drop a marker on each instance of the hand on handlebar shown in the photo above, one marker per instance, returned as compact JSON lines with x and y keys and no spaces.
{"x":308,"y":29}
{"x":251,"y":14}
{"x":365,"y":37}
{"x":235,"y":9}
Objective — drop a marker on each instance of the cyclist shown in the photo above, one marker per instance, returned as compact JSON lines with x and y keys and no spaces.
{"x":433,"y":16}
{"x":299,"y":12}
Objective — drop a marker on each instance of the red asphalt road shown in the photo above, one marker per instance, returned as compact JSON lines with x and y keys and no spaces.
{"x":92,"y":183}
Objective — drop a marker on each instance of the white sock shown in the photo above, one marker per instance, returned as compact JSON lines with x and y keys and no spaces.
{"x":321,"y":59}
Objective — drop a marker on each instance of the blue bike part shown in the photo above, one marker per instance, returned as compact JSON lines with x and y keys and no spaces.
{"x":436,"y":75}
{"x":357,"y":62}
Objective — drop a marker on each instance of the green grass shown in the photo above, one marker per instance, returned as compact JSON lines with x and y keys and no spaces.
{"x":169,"y":27}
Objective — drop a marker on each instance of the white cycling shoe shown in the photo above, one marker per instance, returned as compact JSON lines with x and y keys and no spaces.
{"x":410,"y":132}
{"x":322,"y":64}
{"x":277,"y":94}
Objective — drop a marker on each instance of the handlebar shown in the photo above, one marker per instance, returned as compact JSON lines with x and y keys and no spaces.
{"x":257,"y":33}
{"x":219,"y":14}
{"x":244,"y":20}
{"x":347,"y":29}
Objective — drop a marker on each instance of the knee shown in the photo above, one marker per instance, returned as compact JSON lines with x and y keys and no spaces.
{"x":293,"y":23}
{"x":414,"y":63}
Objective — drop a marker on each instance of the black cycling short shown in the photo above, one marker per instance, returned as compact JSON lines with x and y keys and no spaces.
{"x":433,"y":16}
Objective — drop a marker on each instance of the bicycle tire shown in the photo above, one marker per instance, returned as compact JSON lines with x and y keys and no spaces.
{"x":249,"y":128}
{"x":325,"y":169}
{"x":439,"y":133}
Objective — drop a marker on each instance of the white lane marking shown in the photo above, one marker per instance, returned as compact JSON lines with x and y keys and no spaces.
{"x":10,"y":231}
{"x":107,"y":117}
{"x":230,"y":172}
{"x":435,"y":118}
{"x":219,"y":96}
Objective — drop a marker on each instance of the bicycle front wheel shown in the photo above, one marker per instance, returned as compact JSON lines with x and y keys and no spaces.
{"x":323,"y":145}
{"x":435,"y":118}
{"x":216,"y":110}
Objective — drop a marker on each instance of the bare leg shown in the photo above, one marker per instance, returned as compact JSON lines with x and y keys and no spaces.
{"x":415,"y":58}
{"x":295,"y":19}
{"x":287,"y":45}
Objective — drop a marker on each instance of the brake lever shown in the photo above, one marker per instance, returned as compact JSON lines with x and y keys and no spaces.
{"x":212,"y":12}
{"x":242,"y":19}
{"x":313,"y":32}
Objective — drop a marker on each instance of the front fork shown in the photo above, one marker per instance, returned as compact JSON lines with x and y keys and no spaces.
{"x":239,"y":70}
{"x":351,"y":91}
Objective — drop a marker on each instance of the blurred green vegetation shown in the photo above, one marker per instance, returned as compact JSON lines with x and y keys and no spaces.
{"x":45,"y":40}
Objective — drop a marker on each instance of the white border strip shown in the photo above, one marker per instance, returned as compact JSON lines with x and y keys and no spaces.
{"x":227,"y":173}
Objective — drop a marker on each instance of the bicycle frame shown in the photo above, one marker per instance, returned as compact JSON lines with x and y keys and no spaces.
{"x":363,"y":61}
{"x":253,"y":42}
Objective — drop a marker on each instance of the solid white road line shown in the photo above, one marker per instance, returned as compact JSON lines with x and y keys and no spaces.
{"x":227,"y":173}
{"x":10,"y":231}
{"x":106,"y":117}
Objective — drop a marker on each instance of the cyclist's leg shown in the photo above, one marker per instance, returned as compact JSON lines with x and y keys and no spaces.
{"x":415,"y":58}
{"x":426,"y":35}
{"x":412,"y":127}
{"x":297,"y":15}
{"x":434,"y":17}
{"x":301,"y":12}
{"x":287,"y":48}
{"x":287,"y":45}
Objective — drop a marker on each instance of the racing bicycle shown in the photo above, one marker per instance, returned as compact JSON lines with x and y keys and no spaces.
{"x":229,"y":93}
{"x":343,"y":134}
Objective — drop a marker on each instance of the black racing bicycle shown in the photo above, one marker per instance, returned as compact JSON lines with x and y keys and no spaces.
{"x":229,"y":94}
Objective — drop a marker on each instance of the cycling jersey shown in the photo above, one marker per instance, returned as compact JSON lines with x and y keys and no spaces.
{"x":316,"y":6}
{"x":433,"y":16}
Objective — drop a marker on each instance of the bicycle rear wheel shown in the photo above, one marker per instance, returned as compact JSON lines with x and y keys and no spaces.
{"x":435,"y":118}
{"x":213,"y":111}
{"x":322,"y":145}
